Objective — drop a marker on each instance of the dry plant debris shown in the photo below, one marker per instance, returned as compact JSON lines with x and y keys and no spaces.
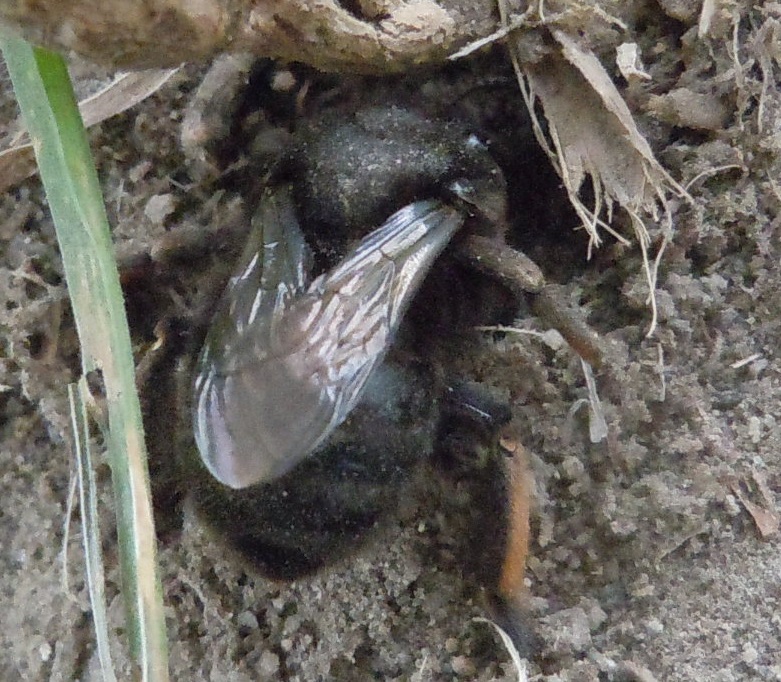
{"x":17,"y":162}
{"x":765,"y":516}
{"x":370,"y":37}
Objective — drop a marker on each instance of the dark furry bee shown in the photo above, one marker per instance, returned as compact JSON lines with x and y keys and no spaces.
{"x":322,"y":385}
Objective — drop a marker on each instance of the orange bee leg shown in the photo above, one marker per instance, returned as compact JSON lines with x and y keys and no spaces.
{"x":509,"y":606}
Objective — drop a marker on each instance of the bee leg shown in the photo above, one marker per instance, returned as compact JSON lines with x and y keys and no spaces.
{"x":548,"y":306}
{"x":508,"y":605}
{"x":158,"y":379}
{"x":522,"y":276}
{"x":515,"y":270}
{"x":490,"y":471}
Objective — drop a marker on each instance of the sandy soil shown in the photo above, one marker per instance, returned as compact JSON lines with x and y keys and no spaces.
{"x":654,"y":554}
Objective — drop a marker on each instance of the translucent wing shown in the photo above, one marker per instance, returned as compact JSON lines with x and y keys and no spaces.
{"x":284,"y":365}
{"x":271,"y":272}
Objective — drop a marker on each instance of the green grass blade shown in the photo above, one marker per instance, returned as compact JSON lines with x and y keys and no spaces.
{"x":43,"y":89}
{"x":90,"y":524}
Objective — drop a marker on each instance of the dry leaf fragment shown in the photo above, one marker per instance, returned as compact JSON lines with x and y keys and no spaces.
{"x":647,"y":182}
{"x":766,"y":518}
{"x":629,"y":63}
{"x":128,"y":89}
{"x":594,"y":136}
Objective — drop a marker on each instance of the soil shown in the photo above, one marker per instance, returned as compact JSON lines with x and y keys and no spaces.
{"x":654,"y":552}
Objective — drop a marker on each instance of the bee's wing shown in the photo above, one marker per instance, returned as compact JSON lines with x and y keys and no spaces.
{"x":299,"y":367}
{"x":272,"y":271}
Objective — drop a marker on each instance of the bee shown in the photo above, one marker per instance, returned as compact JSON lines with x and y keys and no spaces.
{"x":318,"y":391}
{"x":287,"y":360}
